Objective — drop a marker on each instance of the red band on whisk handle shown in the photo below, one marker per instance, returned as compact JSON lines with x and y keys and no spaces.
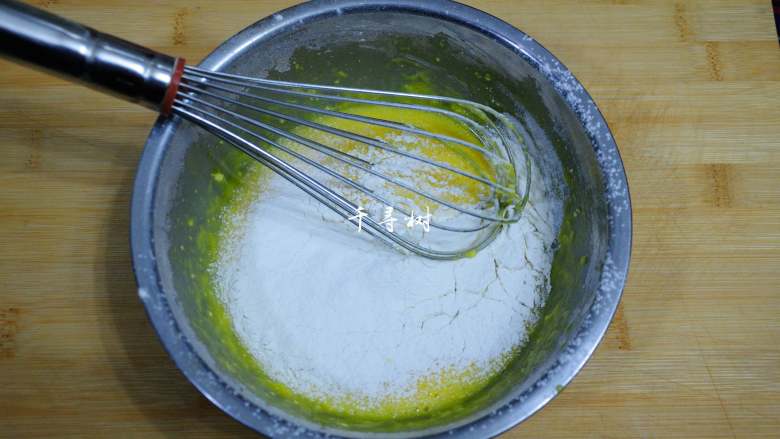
{"x":173,"y":88}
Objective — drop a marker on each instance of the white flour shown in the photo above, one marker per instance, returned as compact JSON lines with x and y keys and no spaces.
{"x":332,"y":313}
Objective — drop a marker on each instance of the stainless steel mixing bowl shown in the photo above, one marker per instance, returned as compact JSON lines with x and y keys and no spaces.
{"x":450,"y":49}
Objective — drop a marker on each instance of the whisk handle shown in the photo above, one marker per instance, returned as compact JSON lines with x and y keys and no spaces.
{"x":96,"y":59}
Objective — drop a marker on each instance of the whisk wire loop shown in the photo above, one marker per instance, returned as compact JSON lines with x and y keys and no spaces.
{"x":232,"y":108}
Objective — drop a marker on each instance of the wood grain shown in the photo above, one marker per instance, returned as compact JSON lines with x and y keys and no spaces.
{"x":691,"y":90}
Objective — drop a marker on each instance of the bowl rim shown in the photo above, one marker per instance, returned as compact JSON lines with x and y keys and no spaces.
{"x":517,"y":406}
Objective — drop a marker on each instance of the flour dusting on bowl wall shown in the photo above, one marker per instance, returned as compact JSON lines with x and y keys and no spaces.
{"x":293,"y":322}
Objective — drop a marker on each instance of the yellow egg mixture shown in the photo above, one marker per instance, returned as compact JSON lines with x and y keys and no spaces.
{"x":354,"y":328}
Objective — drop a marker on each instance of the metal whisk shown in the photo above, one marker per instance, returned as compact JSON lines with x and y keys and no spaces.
{"x":266,"y":119}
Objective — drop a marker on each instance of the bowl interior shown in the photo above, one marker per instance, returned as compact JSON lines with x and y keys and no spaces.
{"x":395,"y":50}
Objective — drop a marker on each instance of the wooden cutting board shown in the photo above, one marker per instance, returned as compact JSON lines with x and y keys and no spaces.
{"x":691,"y":90}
